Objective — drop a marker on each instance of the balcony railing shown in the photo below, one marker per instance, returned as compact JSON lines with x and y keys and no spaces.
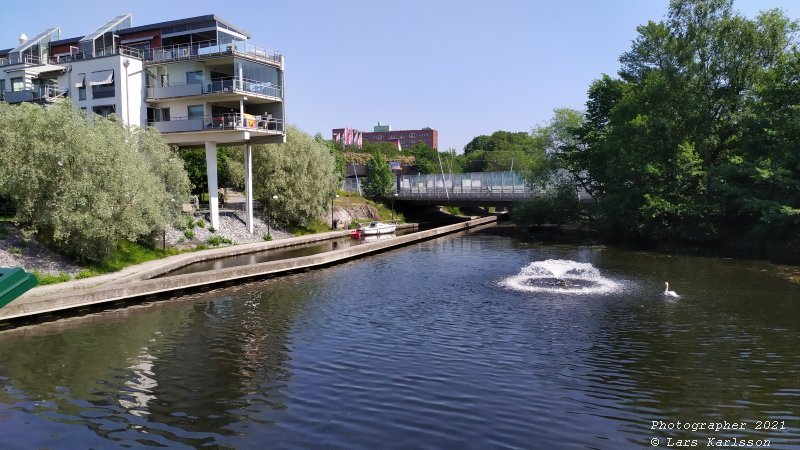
{"x":108,"y":51}
{"x":211,"y":48}
{"x":215,"y":86}
{"x":233,"y":121}
{"x":40,"y":93}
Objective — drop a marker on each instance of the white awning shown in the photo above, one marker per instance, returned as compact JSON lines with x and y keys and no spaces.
{"x":81,"y":80}
{"x":101,"y":78}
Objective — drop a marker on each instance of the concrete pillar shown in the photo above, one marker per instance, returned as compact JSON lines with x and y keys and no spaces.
{"x":211,"y":173}
{"x":248,"y":186}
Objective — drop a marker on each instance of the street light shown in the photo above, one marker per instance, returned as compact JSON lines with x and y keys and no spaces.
{"x":393,"y":197}
{"x":332,"y":199}
{"x":269,"y":216}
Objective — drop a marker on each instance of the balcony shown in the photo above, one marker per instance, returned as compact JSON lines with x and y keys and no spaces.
{"x":206,"y":49}
{"x":62,"y":59}
{"x":216,"y":86}
{"x":224,"y":122}
{"x":41,"y":94}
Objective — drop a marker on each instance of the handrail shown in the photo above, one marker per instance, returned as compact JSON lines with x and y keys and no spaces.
{"x":233,"y":121}
{"x":209,"y":48}
{"x":225,"y":84}
{"x":106,"y":51}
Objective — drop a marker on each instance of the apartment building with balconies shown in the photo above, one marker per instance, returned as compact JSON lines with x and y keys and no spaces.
{"x":199,"y":81}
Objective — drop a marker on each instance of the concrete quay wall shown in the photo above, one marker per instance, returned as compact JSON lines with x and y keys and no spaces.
{"x":136,"y":284}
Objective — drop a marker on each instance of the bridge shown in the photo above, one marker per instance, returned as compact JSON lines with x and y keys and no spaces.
{"x":499,"y":189}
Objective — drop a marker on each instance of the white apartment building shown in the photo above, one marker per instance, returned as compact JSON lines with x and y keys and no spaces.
{"x":199,"y":81}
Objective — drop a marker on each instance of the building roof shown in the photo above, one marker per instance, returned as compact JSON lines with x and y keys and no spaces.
{"x":169,"y":23}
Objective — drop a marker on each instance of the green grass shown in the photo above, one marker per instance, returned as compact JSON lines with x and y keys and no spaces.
{"x":314,"y":226}
{"x":131,"y":253}
{"x":454,"y":210}
{"x":216,"y":241}
{"x":46,"y":278}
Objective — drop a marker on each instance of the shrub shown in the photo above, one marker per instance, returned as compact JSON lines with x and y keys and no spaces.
{"x":83,"y":187}
{"x":189,"y":234}
{"x":216,"y":241}
{"x":267,"y":237}
{"x":200,"y":223}
{"x":212,"y":229}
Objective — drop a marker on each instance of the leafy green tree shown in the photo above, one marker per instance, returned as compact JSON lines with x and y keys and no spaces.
{"x":681,"y":145}
{"x":194,"y":159}
{"x":425,"y":158}
{"x":82,"y":187}
{"x":379,"y":184}
{"x":301,"y":172}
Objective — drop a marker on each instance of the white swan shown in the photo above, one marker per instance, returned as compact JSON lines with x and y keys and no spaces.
{"x":668,"y":293}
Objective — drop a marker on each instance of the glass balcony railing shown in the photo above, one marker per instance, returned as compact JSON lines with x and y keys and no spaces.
{"x":215,"y":86}
{"x":197,"y":50}
{"x":232,"y":121}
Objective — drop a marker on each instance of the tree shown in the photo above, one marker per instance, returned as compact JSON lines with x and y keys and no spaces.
{"x":194,"y":159}
{"x":680,"y":145}
{"x":82,"y":187}
{"x":301,"y":172}
{"x":380,"y":181}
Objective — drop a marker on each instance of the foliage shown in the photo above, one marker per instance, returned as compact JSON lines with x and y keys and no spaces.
{"x":503,"y":150}
{"x":47,"y":278}
{"x":696,"y":138}
{"x":216,"y":241}
{"x":301,"y":172}
{"x":267,"y":237}
{"x":557,"y":207}
{"x":380,"y":180}
{"x":312,"y":227}
{"x":82,"y":187}
{"x":189,"y":234}
{"x":230,"y":169}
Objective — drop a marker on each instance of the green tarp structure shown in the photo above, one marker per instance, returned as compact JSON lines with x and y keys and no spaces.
{"x":13,"y":283}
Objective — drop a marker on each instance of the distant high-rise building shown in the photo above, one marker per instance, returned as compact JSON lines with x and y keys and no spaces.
{"x":404,"y":139}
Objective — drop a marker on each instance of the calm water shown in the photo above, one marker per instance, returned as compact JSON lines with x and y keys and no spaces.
{"x":469,"y":341}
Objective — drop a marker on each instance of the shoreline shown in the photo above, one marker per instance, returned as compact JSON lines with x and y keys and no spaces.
{"x":135,"y":283}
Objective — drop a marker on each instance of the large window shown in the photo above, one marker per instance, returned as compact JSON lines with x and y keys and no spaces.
{"x":195,"y":77}
{"x":195,"y":112}
{"x":158,"y":115}
{"x":2,"y":89}
{"x":17,"y":84}
{"x":104,"y":110}
{"x":102,"y":83}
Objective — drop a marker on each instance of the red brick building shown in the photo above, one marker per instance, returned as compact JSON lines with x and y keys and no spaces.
{"x":404,"y":139}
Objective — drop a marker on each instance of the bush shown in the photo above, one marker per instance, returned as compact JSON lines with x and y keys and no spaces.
{"x":267,"y":237}
{"x":201,"y":224}
{"x":189,"y":234}
{"x":212,"y":229}
{"x":216,"y":241}
{"x":83,"y":187}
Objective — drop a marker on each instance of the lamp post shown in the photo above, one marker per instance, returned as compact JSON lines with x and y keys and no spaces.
{"x":126,"y":62}
{"x":394,"y":196}
{"x":332,"y":199}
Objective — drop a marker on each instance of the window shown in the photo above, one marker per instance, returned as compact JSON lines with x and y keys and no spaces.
{"x":17,"y":84}
{"x":104,"y":110}
{"x":195,"y":111}
{"x":2,"y":89}
{"x":158,"y":114}
{"x":102,"y":83}
{"x":81,"y":85}
{"x":82,"y":93}
{"x":195,"y":77}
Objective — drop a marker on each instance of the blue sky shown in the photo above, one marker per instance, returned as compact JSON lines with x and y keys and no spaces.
{"x":463,"y":67}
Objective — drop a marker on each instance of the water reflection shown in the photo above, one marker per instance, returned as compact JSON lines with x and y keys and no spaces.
{"x":420,"y":347}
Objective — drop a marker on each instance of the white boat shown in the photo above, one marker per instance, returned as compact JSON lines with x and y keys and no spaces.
{"x":375,"y":228}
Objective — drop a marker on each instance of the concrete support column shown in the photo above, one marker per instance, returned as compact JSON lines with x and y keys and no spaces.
{"x":248,"y":186}
{"x":211,"y":173}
